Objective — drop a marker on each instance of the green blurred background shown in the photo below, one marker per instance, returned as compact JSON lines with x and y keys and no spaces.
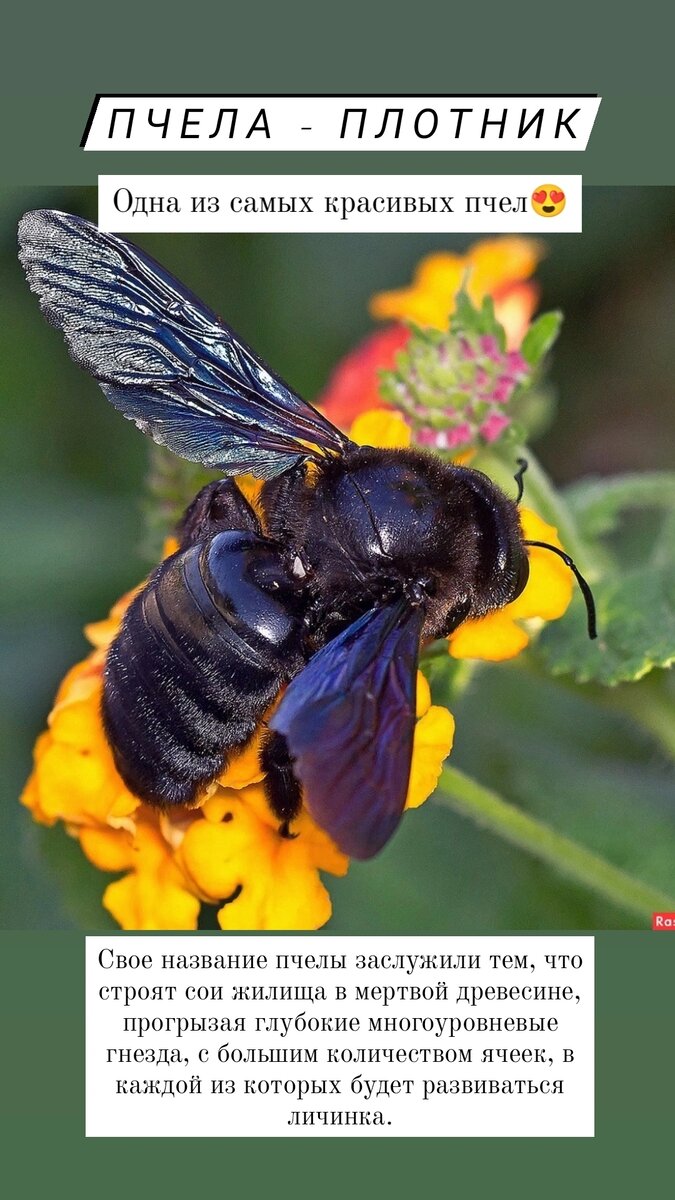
{"x":72,"y":483}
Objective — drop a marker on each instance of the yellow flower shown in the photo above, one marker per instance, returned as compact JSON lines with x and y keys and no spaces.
{"x":154,"y":894}
{"x":546,"y":596}
{"x":434,"y":735}
{"x":497,"y":267}
{"x":381,"y":427}
{"x":268,"y":882}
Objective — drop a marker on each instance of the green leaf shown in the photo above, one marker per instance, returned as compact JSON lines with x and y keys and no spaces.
{"x":540,"y":337}
{"x":467,"y":318}
{"x":598,"y":503}
{"x":636,"y":629}
{"x":490,"y":324}
{"x":466,"y":314}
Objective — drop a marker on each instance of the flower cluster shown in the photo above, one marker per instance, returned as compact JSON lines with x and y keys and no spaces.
{"x":497,"y":267}
{"x":455,"y":390}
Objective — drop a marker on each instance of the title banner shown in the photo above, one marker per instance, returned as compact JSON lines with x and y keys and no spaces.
{"x":289,"y":123}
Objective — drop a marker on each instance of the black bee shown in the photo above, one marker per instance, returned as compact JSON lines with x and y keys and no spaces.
{"x":353,"y":556}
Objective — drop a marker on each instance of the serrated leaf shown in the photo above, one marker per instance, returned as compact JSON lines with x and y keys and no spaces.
{"x":540,"y":337}
{"x":636,"y":629}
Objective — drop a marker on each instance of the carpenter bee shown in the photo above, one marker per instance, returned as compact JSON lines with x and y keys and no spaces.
{"x":323,"y":592}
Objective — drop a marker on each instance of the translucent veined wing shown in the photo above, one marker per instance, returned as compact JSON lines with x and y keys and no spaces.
{"x":348,"y":719}
{"x":162,"y":357}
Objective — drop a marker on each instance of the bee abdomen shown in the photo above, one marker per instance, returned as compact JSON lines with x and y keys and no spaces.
{"x":183,"y":684}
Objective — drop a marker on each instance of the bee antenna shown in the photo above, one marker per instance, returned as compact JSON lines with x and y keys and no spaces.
{"x":585,"y":589}
{"x":522,"y":467}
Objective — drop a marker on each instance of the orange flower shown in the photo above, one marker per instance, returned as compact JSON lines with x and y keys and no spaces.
{"x":497,"y":267}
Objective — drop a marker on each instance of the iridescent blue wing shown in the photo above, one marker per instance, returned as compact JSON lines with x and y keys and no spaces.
{"x":348,"y":719}
{"x":162,"y":357}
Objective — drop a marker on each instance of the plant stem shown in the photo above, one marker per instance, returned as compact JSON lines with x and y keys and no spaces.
{"x":489,"y":810}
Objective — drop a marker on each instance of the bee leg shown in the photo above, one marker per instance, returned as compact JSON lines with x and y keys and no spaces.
{"x":220,"y":506}
{"x":281,"y":787}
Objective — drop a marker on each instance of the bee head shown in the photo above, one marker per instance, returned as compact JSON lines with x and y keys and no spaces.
{"x":446,"y":535}
{"x":501,"y":569}
{"x":451,"y":524}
